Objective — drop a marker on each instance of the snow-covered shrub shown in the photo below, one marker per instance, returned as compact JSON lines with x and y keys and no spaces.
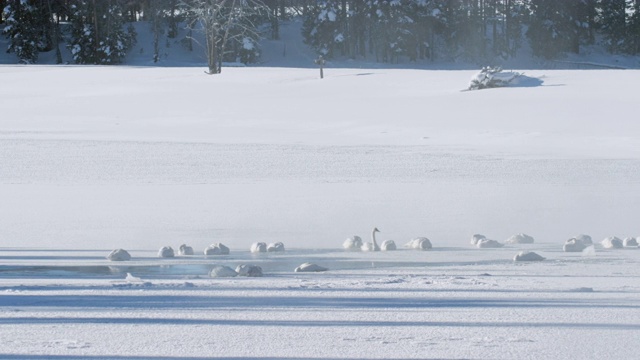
{"x":492,"y":77}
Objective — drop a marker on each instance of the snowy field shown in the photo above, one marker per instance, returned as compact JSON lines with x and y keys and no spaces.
{"x":98,"y":158}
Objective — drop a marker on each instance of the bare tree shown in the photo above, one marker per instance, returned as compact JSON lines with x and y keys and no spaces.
{"x":223,"y":21}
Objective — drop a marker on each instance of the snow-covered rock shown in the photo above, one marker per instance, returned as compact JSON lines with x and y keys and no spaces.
{"x":527,"y":256}
{"x":259,"y":247}
{"x":388,"y":245}
{"x":275,"y":247}
{"x":166,"y":252}
{"x":185,"y":250}
{"x":520,"y":239}
{"x":222,"y":271}
{"x":574,"y":245}
{"x":586,"y":239}
{"x":488,"y":243}
{"x":630,"y":242}
{"x":353,"y":243}
{"x":216,"y":249}
{"x":119,"y":255}
{"x":249,"y":270}
{"x":612,"y":242}
{"x":309,"y":267}
{"x":477,"y":237}
{"x":419,"y":243}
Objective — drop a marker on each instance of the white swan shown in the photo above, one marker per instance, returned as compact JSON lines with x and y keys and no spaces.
{"x":249,"y":270}
{"x":185,"y":250}
{"x":419,"y":243}
{"x":612,"y":242}
{"x":630,"y":242}
{"x":166,"y":252}
{"x":275,"y":247}
{"x":476,"y":238}
{"x":309,"y":267}
{"x":353,"y":243}
{"x":388,"y":245}
{"x":216,"y":249}
{"x":527,"y":256}
{"x":119,"y":255}
{"x":520,"y":239}
{"x":259,"y":247}
{"x":373,"y":245}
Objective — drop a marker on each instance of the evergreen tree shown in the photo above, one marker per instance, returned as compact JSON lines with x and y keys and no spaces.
{"x":553,"y":28}
{"x":613,"y":24}
{"x":322,"y":27}
{"x":98,"y":34}
{"x":25,"y":29}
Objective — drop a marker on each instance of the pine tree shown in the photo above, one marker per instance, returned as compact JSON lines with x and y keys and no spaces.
{"x":24,"y":27}
{"x":98,"y":36}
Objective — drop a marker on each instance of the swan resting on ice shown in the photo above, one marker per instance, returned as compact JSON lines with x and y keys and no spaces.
{"x":520,"y":239}
{"x":258,"y":247}
{"x":309,"y":267}
{"x":419,"y":243}
{"x":184,"y":249}
{"x":222,"y":271}
{"x":630,"y":242}
{"x":216,"y":249}
{"x":574,"y":245}
{"x":249,"y":270}
{"x":166,"y":252}
{"x":275,"y":247}
{"x":612,"y":242}
{"x":527,"y":256}
{"x":119,"y":255}
{"x":353,"y":243}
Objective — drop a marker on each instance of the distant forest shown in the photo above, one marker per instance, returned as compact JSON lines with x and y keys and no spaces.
{"x":394,"y":31}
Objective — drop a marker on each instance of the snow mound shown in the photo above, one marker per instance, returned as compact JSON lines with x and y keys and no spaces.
{"x":259,"y":247}
{"x":119,"y":255}
{"x":527,"y":256}
{"x":612,"y":242}
{"x":488,"y":244}
{"x":630,"y":242}
{"x":185,"y":250}
{"x":275,"y":247}
{"x":222,"y":271}
{"x":492,"y":77}
{"x":388,"y":245}
{"x":216,"y":249}
{"x":353,"y":243}
{"x":477,"y":237}
{"x":309,"y":267}
{"x":520,"y":239}
{"x":419,"y":243}
{"x":249,"y":270}
{"x":166,"y":252}
{"x":574,"y":245}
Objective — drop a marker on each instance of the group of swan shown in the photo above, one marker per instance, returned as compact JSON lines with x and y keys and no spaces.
{"x":261,"y":247}
{"x":356,"y":243}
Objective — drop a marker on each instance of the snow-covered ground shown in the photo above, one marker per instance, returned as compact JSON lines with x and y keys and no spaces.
{"x":98,"y":158}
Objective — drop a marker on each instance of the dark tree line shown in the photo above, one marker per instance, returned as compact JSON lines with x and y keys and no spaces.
{"x":475,"y":30}
{"x":100,"y":31}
